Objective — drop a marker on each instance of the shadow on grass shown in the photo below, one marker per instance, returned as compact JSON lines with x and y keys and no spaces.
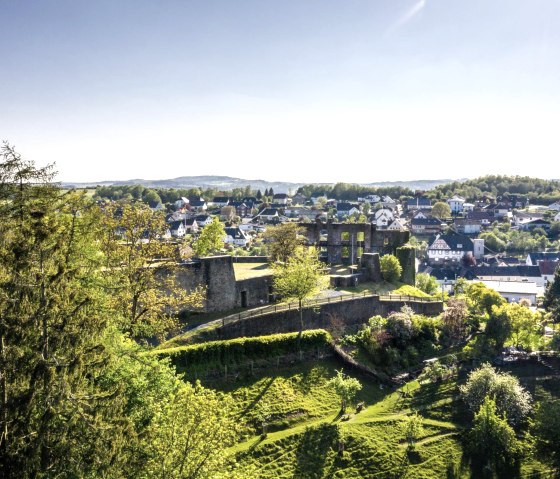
{"x":256,"y":400}
{"x":313,"y":449}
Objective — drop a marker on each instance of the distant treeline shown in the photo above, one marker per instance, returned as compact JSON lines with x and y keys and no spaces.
{"x":535,"y":190}
{"x":165,"y":195}
{"x":352,"y":191}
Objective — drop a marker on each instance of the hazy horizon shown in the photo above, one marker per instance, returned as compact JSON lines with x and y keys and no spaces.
{"x":310,"y":92}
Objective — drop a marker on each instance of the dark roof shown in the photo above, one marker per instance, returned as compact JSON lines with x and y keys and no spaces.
{"x":450,"y":273}
{"x":220,"y":199}
{"x":345,"y":206}
{"x":235,"y":233}
{"x":455,"y":241}
{"x":174,"y":225}
{"x":521,"y":270}
{"x":280,"y":196}
{"x":269,"y":212}
{"x":190,"y":222}
{"x":551,"y":256}
{"x":201,"y":218}
{"x":237,"y":204}
{"x":195,"y":202}
{"x":548,"y":267}
{"x":538,"y":222}
{"x":422,"y":201}
{"x":480,"y":215}
{"x":425,"y":221}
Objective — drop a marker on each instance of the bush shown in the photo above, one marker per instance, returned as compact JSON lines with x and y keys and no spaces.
{"x":391,"y":268}
{"x":233,"y":351}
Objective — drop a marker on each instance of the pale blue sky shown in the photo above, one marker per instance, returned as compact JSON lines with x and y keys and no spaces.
{"x":311,"y":91}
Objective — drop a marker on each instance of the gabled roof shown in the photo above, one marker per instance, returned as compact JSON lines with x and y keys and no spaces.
{"x":550,"y":256}
{"x":235,"y":233}
{"x":548,"y":267}
{"x":175,"y":225}
{"x":420,"y":201}
{"x":345,"y":206}
{"x":268,"y":212}
{"x":220,"y":199}
{"x":455,"y":242}
{"x":480,"y":216}
{"x":190,"y":222}
{"x":280,"y":196}
{"x":425,"y":222}
{"x":202,"y":218}
{"x":195,"y":202}
{"x":520,"y":270}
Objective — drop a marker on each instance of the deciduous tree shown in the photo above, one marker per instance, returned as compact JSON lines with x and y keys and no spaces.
{"x":283,"y":240}
{"x":345,"y":387}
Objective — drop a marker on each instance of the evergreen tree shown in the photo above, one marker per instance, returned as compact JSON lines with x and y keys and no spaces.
{"x":552,"y":296}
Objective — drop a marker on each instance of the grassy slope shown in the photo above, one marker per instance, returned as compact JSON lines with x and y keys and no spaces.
{"x":305,"y":427}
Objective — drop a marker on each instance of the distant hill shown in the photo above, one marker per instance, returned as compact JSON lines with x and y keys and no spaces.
{"x":227,"y":183}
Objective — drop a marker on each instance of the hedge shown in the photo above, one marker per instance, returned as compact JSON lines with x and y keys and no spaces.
{"x":238,"y":350}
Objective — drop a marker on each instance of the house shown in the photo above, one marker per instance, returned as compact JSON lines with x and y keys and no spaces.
{"x":534,"y":258}
{"x":514,"y":291}
{"x":510,"y":273}
{"x":555,"y":206}
{"x":221,"y":201}
{"x":388,"y":199}
{"x":303,"y":212}
{"x":177,"y":229}
{"x":236,"y":237}
{"x":157,"y":206}
{"x":281,"y":199}
{"x":467,"y":227}
{"x":181,"y":202}
{"x":371,"y":199}
{"x":241,"y":209}
{"x":191,"y":226}
{"x":485,"y":218}
{"x":468,"y":207}
{"x":268,"y":215}
{"x":521,"y":218}
{"x":452,"y":247}
{"x":203,"y":220}
{"x":383,"y":218}
{"x":397,"y":225}
{"x":298,"y":199}
{"x":419,"y":203}
{"x":531,"y":225}
{"x":547,"y":269}
{"x":346,"y":209}
{"x":198,"y":204}
{"x":456,"y":204}
{"x":557,"y":217}
{"x":426,"y":226}
{"x":499,"y":210}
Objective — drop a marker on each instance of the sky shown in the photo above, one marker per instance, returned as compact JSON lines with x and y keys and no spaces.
{"x":286,"y":90}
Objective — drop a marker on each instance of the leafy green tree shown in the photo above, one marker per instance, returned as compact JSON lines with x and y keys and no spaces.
{"x":433,"y":372}
{"x":55,"y":419}
{"x":300,"y":277}
{"x":545,"y":428}
{"x":499,"y":326}
{"x":426,"y":283}
{"x":345,"y":387}
{"x":454,"y":319}
{"x":140,"y":270}
{"x":441,"y":210}
{"x":491,"y":440}
{"x":391,"y":269}
{"x":283,"y":240}
{"x":481,"y":299}
{"x":552,"y":297}
{"x":510,"y":397}
{"x":413,"y":429}
{"x":211,"y":239}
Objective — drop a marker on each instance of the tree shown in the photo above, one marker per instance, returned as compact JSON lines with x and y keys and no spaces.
{"x":480,"y":298}
{"x":55,"y":419}
{"x":510,"y":397}
{"x":454,"y":319}
{"x":211,"y":239}
{"x":345,"y":387}
{"x":426,"y":283}
{"x":552,"y":296}
{"x":190,"y":434}
{"x":391,"y":269}
{"x":283,"y":240}
{"x":441,"y":210}
{"x":140,"y":269}
{"x":499,"y":326}
{"x":412,"y":429}
{"x":300,"y":277}
{"x":545,"y":428}
{"x":492,"y":439}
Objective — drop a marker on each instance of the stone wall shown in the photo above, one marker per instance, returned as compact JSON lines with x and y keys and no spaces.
{"x":351,"y":312}
{"x":223,"y":292}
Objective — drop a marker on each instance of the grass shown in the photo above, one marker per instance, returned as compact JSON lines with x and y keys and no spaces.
{"x":371,"y":287}
{"x":306,"y":430}
{"x":251,"y":270}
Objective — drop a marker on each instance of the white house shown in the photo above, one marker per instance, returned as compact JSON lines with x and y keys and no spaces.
{"x":555,"y":206}
{"x":514,"y":291}
{"x":281,"y":199}
{"x":177,"y":229}
{"x":468,"y":207}
{"x":181,"y":202}
{"x":397,"y":225}
{"x":236,"y":237}
{"x":456,"y":204}
{"x":449,"y":248}
{"x":557,"y":217}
